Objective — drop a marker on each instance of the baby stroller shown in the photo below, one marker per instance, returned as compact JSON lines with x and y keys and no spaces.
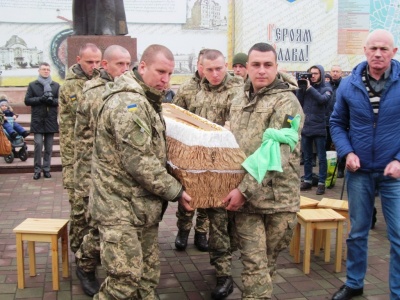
{"x":19,"y":147}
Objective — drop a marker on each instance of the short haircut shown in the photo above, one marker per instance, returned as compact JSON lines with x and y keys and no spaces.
{"x":151,"y":52}
{"x":263,"y":47}
{"x":212,"y":54}
{"x":201,"y":53}
{"x":110,"y":50}
{"x":44,"y":64}
{"x":90,"y":46}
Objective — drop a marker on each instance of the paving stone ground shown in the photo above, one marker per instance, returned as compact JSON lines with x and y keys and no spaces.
{"x":185,"y":275}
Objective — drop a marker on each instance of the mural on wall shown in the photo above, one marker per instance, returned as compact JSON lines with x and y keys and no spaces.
{"x":185,"y":27}
{"x":332,"y":32}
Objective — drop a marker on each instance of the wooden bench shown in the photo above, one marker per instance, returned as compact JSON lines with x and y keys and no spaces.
{"x":42,"y":230}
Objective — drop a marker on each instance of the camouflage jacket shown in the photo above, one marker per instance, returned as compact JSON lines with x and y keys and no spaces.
{"x":187,"y":92}
{"x":130,"y":181}
{"x":250,"y":116}
{"x":86,"y":114}
{"x":213,"y":103}
{"x":70,"y":94}
{"x":1,"y":117}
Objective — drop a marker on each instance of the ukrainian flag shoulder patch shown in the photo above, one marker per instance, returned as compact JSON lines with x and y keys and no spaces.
{"x":132,"y":107}
{"x":72,"y":97}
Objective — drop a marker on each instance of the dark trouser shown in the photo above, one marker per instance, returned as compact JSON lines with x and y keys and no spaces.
{"x":39,"y":140}
{"x":307,"y":145}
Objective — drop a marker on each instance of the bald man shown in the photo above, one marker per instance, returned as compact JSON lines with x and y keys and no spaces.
{"x":364,"y":131}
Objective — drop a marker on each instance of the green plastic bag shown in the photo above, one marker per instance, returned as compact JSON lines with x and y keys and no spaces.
{"x":331,"y":162}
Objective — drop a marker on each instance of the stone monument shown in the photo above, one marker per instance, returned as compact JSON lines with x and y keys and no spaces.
{"x":101,"y":22}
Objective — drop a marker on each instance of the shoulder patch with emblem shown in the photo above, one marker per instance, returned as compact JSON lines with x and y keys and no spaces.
{"x":72,"y":97}
{"x":132,"y":107}
{"x":287,"y":121}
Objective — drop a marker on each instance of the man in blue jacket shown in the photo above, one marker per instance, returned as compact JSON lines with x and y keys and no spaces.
{"x":364,"y":130}
{"x":314,"y":98}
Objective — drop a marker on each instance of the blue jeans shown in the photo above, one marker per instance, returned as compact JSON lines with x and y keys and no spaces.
{"x":361,"y":192}
{"x":307,"y":148}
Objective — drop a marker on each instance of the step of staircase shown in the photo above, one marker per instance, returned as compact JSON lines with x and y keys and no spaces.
{"x":18,"y":166}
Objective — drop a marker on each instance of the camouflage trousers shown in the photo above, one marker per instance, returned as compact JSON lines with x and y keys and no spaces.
{"x":78,"y":226}
{"x":88,"y":254}
{"x":261,"y":238}
{"x":185,"y":223}
{"x":130,"y":256}
{"x":222,"y":240}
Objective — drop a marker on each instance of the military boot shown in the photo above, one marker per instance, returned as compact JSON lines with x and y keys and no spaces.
{"x":181,"y":239}
{"x":90,"y":284}
{"x":200,"y":241}
{"x":224,"y":287}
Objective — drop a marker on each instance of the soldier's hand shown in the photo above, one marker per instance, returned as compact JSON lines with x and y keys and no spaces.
{"x":234,"y":200}
{"x":184,"y":201}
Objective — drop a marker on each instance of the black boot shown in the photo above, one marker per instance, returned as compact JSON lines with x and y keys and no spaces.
{"x":13,"y":135}
{"x":181,"y":239}
{"x":200,"y":241}
{"x":90,"y":284}
{"x":224,"y":287}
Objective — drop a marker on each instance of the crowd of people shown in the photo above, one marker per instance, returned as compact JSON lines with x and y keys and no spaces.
{"x":114,"y":154}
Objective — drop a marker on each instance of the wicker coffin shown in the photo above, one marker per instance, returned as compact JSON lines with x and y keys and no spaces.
{"x":203,"y":156}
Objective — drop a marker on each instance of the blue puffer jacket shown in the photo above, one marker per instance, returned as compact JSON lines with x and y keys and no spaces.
{"x":355,"y":128}
{"x":315,"y":102}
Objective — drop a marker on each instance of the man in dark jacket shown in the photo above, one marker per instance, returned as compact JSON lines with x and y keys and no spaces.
{"x":314,"y":98}
{"x":42,"y":96}
{"x":363,"y":127}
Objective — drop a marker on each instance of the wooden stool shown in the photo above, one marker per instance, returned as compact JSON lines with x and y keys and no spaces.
{"x":341,"y":207}
{"x":42,"y":230}
{"x":305,"y":202}
{"x":319,"y":218}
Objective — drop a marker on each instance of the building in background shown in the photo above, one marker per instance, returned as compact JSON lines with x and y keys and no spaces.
{"x":16,"y":54}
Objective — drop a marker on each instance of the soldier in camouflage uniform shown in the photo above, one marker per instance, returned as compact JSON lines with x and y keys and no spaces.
{"x":70,"y":94}
{"x":116,"y":60}
{"x":267,"y":211}
{"x":218,"y":89}
{"x":186,"y":95}
{"x":131,"y":186}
